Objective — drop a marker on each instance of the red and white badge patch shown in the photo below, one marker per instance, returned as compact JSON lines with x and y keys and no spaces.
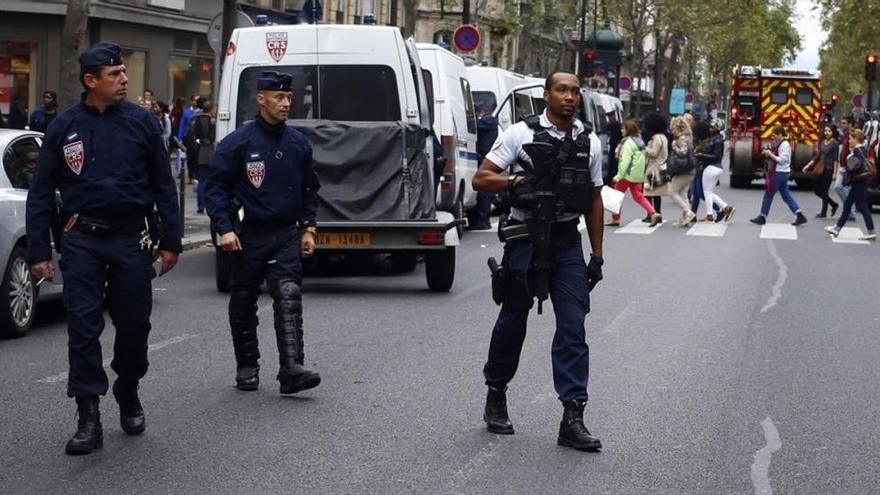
{"x":75,"y":155}
{"x":256,"y":172}
{"x":276,"y":43}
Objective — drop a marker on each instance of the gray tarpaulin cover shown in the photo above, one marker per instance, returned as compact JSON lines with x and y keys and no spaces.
{"x":370,"y":170}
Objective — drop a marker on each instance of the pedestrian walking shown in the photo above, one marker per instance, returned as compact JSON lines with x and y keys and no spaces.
{"x":107,"y":158}
{"x":656,"y":154}
{"x":43,"y":116}
{"x":631,"y":171}
{"x":846,"y":124}
{"x":779,"y":158}
{"x":266,"y":167}
{"x":681,"y":167}
{"x":181,"y":134}
{"x":570,"y":278}
{"x":200,"y":134}
{"x":821,"y":166}
{"x":615,"y":135}
{"x":160,"y":110}
{"x":710,"y":153}
{"x":858,"y":172}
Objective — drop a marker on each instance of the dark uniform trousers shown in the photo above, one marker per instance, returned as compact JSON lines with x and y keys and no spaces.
{"x":571,"y":303}
{"x":90,"y":263}
{"x":269,"y":252}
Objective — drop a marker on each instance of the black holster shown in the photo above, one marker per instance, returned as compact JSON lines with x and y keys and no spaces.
{"x":498,"y":281}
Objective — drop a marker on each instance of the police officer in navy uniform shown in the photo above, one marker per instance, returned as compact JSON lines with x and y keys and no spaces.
{"x":107,"y":158}
{"x":266,"y":167}
{"x":571,"y":277}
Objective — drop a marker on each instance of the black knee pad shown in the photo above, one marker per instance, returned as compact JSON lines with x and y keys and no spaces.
{"x":288,"y":293}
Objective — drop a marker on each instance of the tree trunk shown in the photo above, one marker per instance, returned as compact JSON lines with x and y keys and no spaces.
{"x":74,"y":40}
{"x":410,"y":12}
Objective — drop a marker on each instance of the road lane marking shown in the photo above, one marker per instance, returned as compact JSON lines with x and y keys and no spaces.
{"x":776,"y":291}
{"x":706,"y":229}
{"x":850,"y":235}
{"x":638,"y":227}
{"x":761,"y":464}
{"x":782,"y":231}
{"x":60,"y":377}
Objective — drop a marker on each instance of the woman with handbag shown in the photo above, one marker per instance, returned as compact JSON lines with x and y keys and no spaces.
{"x":821,"y":166}
{"x":657,"y":154}
{"x":859,"y":171}
{"x":682,"y":169}
{"x":631,"y":171}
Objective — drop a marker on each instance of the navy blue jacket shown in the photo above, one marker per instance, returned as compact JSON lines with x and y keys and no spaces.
{"x":106,"y":165}
{"x":268,"y":168}
{"x":487,"y":133}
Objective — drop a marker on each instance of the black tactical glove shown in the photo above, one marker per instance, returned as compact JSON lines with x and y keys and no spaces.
{"x":594,"y":271}
{"x":522,"y":191}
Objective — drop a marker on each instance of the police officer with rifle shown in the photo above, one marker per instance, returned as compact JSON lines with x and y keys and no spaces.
{"x":554,"y":176}
{"x":266,"y":167}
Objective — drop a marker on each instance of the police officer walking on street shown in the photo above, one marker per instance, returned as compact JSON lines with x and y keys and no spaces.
{"x":107,"y":157}
{"x":266,"y":167}
{"x":574,"y":191}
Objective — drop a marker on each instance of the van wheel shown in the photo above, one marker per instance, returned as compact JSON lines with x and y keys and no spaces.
{"x":440,"y":269}
{"x":740,"y":181}
{"x":222,"y":269}
{"x":403,"y":262}
{"x":18,"y":294}
{"x":459,"y":213}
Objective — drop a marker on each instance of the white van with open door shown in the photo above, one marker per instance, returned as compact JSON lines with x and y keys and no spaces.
{"x":491,"y":84}
{"x":455,"y":125}
{"x":359,"y":97}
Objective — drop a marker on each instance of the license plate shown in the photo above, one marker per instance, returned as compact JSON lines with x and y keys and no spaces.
{"x":352,"y":239}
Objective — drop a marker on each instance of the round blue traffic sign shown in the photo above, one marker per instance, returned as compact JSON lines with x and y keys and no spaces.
{"x":466,"y":38}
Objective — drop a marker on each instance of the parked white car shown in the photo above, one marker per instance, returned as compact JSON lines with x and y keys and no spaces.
{"x":18,"y":290}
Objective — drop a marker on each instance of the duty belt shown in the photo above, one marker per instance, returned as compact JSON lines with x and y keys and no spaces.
{"x":516,"y":230}
{"x":135,"y":224}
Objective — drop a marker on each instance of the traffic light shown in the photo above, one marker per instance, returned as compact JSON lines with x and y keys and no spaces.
{"x":589,"y":63}
{"x":871,"y":67}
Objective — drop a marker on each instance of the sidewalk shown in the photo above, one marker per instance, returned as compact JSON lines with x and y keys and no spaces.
{"x":196,"y":227}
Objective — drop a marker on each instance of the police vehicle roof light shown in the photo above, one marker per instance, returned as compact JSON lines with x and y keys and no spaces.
{"x":261,"y":20}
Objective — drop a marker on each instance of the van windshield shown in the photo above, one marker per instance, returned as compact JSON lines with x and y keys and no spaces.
{"x":346,"y":92}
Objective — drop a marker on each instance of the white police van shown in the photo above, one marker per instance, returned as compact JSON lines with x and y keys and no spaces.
{"x":455,"y":125}
{"x":491,"y":84}
{"x":360,"y":98}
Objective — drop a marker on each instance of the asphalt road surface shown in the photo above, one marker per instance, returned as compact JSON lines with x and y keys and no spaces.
{"x":728,"y":364}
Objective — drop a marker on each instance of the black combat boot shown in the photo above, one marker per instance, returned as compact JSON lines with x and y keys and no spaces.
{"x":496,"y":418}
{"x":287,"y":305}
{"x":243,"y":321}
{"x":89,"y":434}
{"x":131,"y":413}
{"x":572,"y":432}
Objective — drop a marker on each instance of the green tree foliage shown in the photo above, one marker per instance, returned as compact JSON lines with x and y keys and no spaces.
{"x":853,"y":32}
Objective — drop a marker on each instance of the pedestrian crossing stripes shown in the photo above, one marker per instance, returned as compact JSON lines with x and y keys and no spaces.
{"x":850,"y":235}
{"x":708,"y":229}
{"x":781,"y":231}
{"x":638,"y":227}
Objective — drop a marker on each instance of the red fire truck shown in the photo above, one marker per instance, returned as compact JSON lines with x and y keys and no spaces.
{"x":761,"y":99}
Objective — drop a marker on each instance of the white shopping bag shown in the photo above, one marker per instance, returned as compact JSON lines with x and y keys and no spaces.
{"x":612,"y":199}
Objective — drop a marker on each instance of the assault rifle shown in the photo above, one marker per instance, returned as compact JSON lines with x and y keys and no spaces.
{"x":545,"y":167}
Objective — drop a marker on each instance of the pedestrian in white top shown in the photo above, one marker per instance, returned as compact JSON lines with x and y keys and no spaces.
{"x":777,"y":179}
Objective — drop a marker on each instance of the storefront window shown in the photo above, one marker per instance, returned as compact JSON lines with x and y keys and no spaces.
{"x":136,"y":69}
{"x":190,"y":76}
{"x":17,"y":82}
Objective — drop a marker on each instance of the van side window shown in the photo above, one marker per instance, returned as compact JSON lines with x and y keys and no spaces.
{"x":522,"y":106}
{"x":486,"y":100}
{"x":346,"y":92}
{"x":469,"y":112}
{"x":429,"y":90}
